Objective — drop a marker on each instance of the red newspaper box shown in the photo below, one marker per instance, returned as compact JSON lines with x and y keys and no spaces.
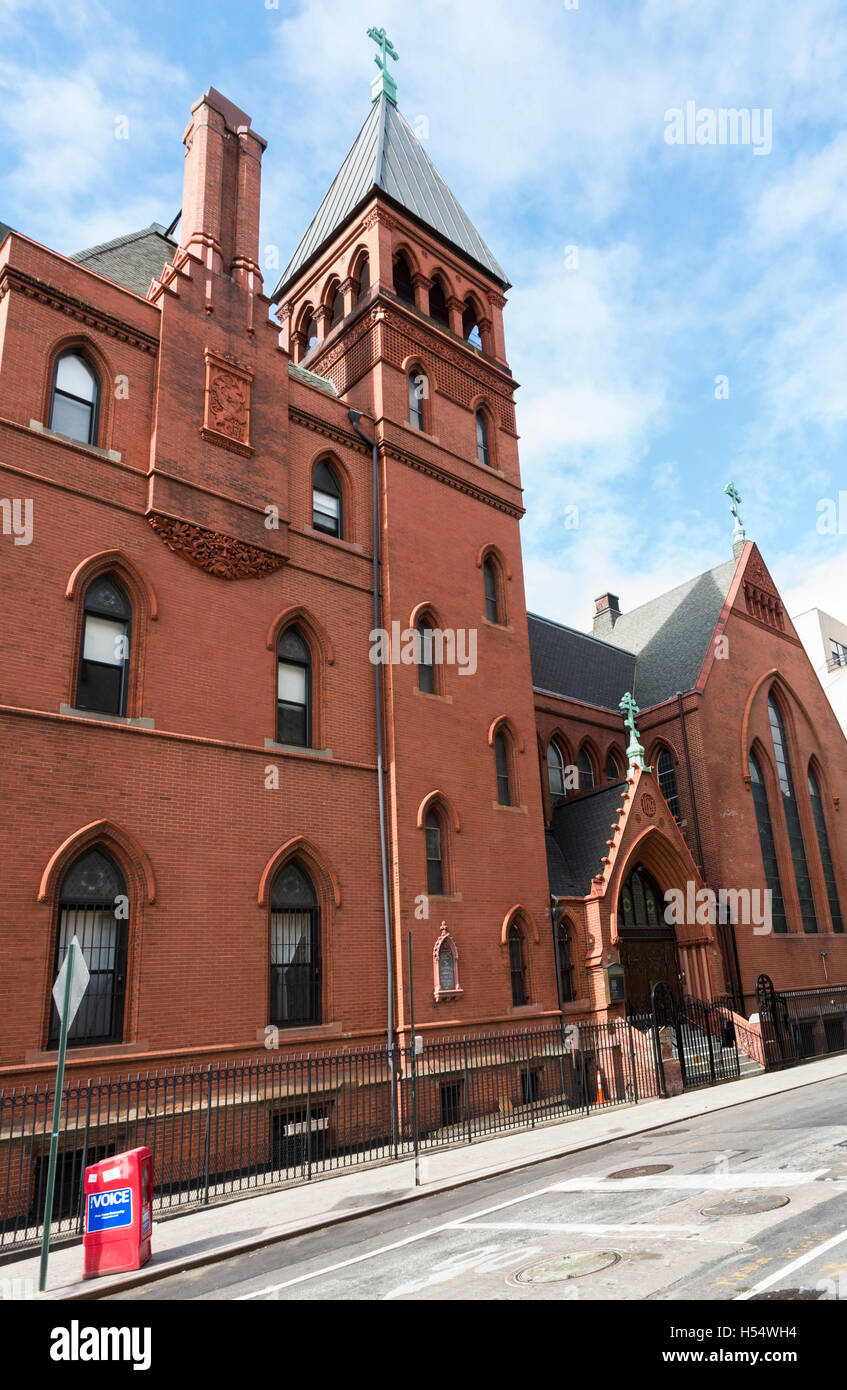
{"x":118,"y":1213}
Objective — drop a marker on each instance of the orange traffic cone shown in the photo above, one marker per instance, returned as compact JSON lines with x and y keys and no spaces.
{"x":601,"y":1095}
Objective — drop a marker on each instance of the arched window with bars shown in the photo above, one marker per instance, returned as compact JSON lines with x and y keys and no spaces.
{"x":295,"y":949}
{"x":555,"y":769}
{"x":585,"y":766}
{"x":94,"y":908}
{"x":326,"y":500}
{"x":517,"y":965}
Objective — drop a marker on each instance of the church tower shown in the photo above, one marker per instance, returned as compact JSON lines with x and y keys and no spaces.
{"x":395,"y":298}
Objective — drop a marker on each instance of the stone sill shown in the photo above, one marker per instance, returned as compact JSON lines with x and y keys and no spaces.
{"x":431,"y":695}
{"x":113,"y":455}
{"x":100,"y":718}
{"x":337,"y":541}
{"x":273,"y":747}
{"x":518,"y":810}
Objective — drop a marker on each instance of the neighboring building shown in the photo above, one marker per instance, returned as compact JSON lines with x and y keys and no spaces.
{"x":825,"y":640}
{"x":190,"y":746}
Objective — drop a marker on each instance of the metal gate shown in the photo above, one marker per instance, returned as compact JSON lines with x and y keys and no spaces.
{"x":703,"y":1037}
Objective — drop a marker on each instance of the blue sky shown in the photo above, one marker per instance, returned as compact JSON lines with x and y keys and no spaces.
{"x":548,"y":122}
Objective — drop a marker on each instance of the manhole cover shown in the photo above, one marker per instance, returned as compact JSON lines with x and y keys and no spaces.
{"x":560,"y":1267}
{"x":747,"y":1204}
{"x":645,"y":1171}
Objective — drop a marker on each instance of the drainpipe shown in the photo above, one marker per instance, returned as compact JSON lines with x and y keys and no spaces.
{"x":355,"y":416}
{"x":554,"y":913}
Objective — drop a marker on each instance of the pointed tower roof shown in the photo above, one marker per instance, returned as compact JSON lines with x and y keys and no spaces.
{"x":388,"y":158}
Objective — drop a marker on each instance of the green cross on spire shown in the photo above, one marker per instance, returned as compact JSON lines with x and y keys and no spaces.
{"x":739,"y":534}
{"x":384,"y":84}
{"x":635,"y":752}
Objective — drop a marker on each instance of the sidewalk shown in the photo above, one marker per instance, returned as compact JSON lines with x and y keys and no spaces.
{"x":207,"y":1234}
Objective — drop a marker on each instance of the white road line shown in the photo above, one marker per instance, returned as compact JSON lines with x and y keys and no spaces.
{"x":690,"y":1182}
{"x":585,"y":1228}
{"x":385,"y":1249}
{"x":789,"y":1269}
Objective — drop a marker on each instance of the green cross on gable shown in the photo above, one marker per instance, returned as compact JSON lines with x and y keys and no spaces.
{"x":384,"y":84}
{"x":635,"y":752}
{"x":739,"y":534}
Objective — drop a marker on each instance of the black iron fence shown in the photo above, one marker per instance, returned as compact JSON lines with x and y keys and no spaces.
{"x":798,"y":1024}
{"x":229,"y":1129}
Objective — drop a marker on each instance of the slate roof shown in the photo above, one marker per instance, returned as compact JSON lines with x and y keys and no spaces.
{"x":573,"y":664}
{"x":4,"y":228}
{"x":576,"y":840}
{"x":654,"y":651}
{"x":323,"y":383}
{"x":671,"y":634}
{"x":387,"y":156}
{"x":133,"y":260}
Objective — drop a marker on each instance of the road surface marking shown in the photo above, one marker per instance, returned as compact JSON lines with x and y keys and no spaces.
{"x":789,"y":1269}
{"x":386,"y":1249}
{"x":690,"y":1182}
{"x":585,"y":1228}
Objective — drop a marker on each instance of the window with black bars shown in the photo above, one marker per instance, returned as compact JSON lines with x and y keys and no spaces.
{"x":773,"y":881}
{"x":517,"y":968}
{"x":492,"y":602}
{"x":295,"y":962}
{"x":826,"y":856}
{"x":94,"y":908}
{"x":792,"y":818}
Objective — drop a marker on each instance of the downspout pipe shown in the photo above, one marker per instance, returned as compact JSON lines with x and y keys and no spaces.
{"x":354,"y":417}
{"x":555,"y":915}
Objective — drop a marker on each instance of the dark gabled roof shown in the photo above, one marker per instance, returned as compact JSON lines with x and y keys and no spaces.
{"x":579,"y":667}
{"x":133,"y":260}
{"x":4,"y":231}
{"x":576,"y":840}
{"x":654,"y":651}
{"x":670,"y":635}
{"x":387,"y":157}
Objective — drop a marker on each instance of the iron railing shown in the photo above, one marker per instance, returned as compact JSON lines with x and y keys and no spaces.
{"x":228,"y":1129}
{"x":798,"y":1024}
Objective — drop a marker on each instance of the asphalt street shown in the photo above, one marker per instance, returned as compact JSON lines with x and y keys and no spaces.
{"x":748,"y":1203}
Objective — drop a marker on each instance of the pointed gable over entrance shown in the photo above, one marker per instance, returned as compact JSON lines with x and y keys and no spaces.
{"x":388,"y":158}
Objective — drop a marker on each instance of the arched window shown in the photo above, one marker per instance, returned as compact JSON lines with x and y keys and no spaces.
{"x":438,"y":303}
{"x":770,"y":862}
{"x":94,"y":908}
{"x":426,"y":667}
{"x":517,"y":965}
{"x":75,"y":398}
{"x":565,"y":964}
{"x":585,"y":764}
{"x":555,"y":769}
{"x":641,"y":903}
{"x":501,"y":762}
{"x":434,"y":854}
{"x":294,"y":690}
{"x":492,"y":601}
{"x":446,"y":968}
{"x":337,"y":307}
{"x":792,"y":817}
{"x":666,"y":774}
{"x":326,"y":500}
{"x":295,"y":949}
{"x":470,"y":326}
{"x":826,"y":856}
{"x":403,"y":287}
{"x":482,"y":451}
{"x":613,"y":767}
{"x":418,"y":393}
{"x":104,"y":648}
{"x":310,"y":332}
{"x":364,"y":279}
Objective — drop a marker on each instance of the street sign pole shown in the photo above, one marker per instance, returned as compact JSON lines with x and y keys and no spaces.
{"x":67,"y":1013}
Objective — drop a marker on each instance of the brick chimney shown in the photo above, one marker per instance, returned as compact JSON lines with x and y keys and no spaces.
{"x":221,"y":190}
{"x":607,"y":610}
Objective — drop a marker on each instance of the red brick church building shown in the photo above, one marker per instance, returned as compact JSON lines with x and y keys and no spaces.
{"x":270,"y":697}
